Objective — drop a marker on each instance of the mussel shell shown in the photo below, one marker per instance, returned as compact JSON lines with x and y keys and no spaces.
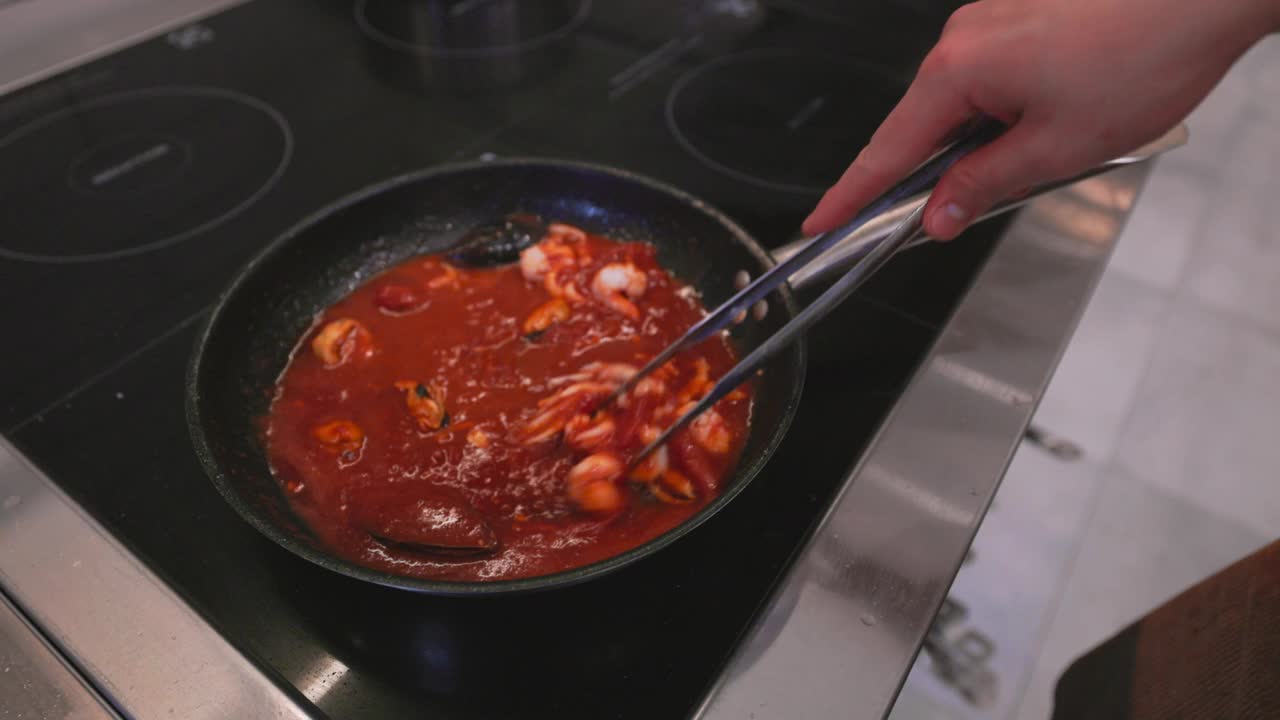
{"x":498,"y":244}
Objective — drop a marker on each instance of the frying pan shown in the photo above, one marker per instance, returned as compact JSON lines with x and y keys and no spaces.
{"x":246,"y":342}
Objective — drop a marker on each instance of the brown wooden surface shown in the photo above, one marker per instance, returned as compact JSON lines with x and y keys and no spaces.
{"x":1212,"y":652}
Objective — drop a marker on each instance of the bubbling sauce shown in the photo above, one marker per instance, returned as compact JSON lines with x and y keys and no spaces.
{"x":448,"y":423}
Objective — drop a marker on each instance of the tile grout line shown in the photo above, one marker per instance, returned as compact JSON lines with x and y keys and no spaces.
{"x":1111,"y":462}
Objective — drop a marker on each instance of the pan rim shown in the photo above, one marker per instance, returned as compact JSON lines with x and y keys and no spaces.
{"x":564,"y":578}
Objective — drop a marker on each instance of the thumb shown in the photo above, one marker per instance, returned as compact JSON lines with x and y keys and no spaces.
{"x":1016,"y":160}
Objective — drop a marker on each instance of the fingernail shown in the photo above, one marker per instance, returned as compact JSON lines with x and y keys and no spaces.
{"x":949,"y":220}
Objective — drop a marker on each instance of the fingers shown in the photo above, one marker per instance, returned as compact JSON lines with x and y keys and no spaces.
{"x":913,"y":131}
{"x":1020,"y":158}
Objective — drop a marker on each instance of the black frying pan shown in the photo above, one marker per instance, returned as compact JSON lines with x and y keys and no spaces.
{"x":246,"y":342}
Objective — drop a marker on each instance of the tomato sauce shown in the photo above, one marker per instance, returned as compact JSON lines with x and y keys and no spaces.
{"x":447,"y":422}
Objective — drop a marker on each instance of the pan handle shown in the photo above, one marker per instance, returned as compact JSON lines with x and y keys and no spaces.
{"x":859,"y":242}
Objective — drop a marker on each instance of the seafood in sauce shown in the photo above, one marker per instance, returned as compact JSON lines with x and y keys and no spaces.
{"x":449,"y":422}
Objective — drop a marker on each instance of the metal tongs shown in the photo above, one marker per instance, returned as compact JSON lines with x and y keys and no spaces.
{"x":874,"y":256}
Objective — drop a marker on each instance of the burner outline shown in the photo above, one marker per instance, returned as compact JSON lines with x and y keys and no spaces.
{"x":682,"y":83}
{"x":112,"y":99}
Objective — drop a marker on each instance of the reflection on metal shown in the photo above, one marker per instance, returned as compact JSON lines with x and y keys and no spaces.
{"x":1077,"y":217}
{"x":322,"y":677}
{"x":34,"y":680}
{"x":41,"y":39}
{"x":958,"y":655}
{"x":144,"y":648}
{"x":979,"y":382}
{"x":863,"y":594}
{"x":1099,"y":193}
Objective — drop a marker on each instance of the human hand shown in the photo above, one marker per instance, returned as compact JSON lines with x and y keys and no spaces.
{"x":1078,"y":82}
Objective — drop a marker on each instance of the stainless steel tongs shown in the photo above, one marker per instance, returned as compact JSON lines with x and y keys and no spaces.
{"x":873,"y":256}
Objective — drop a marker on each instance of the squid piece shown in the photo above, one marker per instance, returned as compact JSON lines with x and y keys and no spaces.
{"x":555,"y":412}
{"x":586,"y":432}
{"x":449,"y":277}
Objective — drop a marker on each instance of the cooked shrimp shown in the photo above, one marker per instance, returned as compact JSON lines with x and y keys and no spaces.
{"x":617,"y":284}
{"x":561,"y":249}
{"x":534,"y":263}
{"x":592,"y":483}
{"x":338,"y":340}
{"x":343,"y":438}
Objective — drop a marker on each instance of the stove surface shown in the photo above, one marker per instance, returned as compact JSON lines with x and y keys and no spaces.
{"x":138,"y":184}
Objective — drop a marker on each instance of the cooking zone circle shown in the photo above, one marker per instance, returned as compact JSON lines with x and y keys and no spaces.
{"x":132,"y":172}
{"x":469,"y":28}
{"x":780,"y":119}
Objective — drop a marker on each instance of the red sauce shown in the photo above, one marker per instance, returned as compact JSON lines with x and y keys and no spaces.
{"x":427,"y":438}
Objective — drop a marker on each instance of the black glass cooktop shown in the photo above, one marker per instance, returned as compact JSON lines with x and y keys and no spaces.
{"x":133,"y":188}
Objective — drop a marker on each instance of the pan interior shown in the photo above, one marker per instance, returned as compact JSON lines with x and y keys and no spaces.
{"x":249,"y":337}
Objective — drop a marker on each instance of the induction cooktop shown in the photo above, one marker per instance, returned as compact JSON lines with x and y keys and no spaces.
{"x":134,"y":186}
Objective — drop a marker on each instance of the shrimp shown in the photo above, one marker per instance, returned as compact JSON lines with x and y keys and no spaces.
{"x":617,"y":285}
{"x":562,"y":251}
{"x":338,"y":340}
{"x":592,"y":483}
{"x":342,"y":438}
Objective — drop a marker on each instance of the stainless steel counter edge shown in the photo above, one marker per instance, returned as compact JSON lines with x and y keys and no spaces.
{"x":41,"y":39}
{"x":133,"y":637}
{"x":844,"y":627}
{"x":36,"y":682}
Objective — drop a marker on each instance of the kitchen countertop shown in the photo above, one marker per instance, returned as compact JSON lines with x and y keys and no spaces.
{"x":842,"y":629}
